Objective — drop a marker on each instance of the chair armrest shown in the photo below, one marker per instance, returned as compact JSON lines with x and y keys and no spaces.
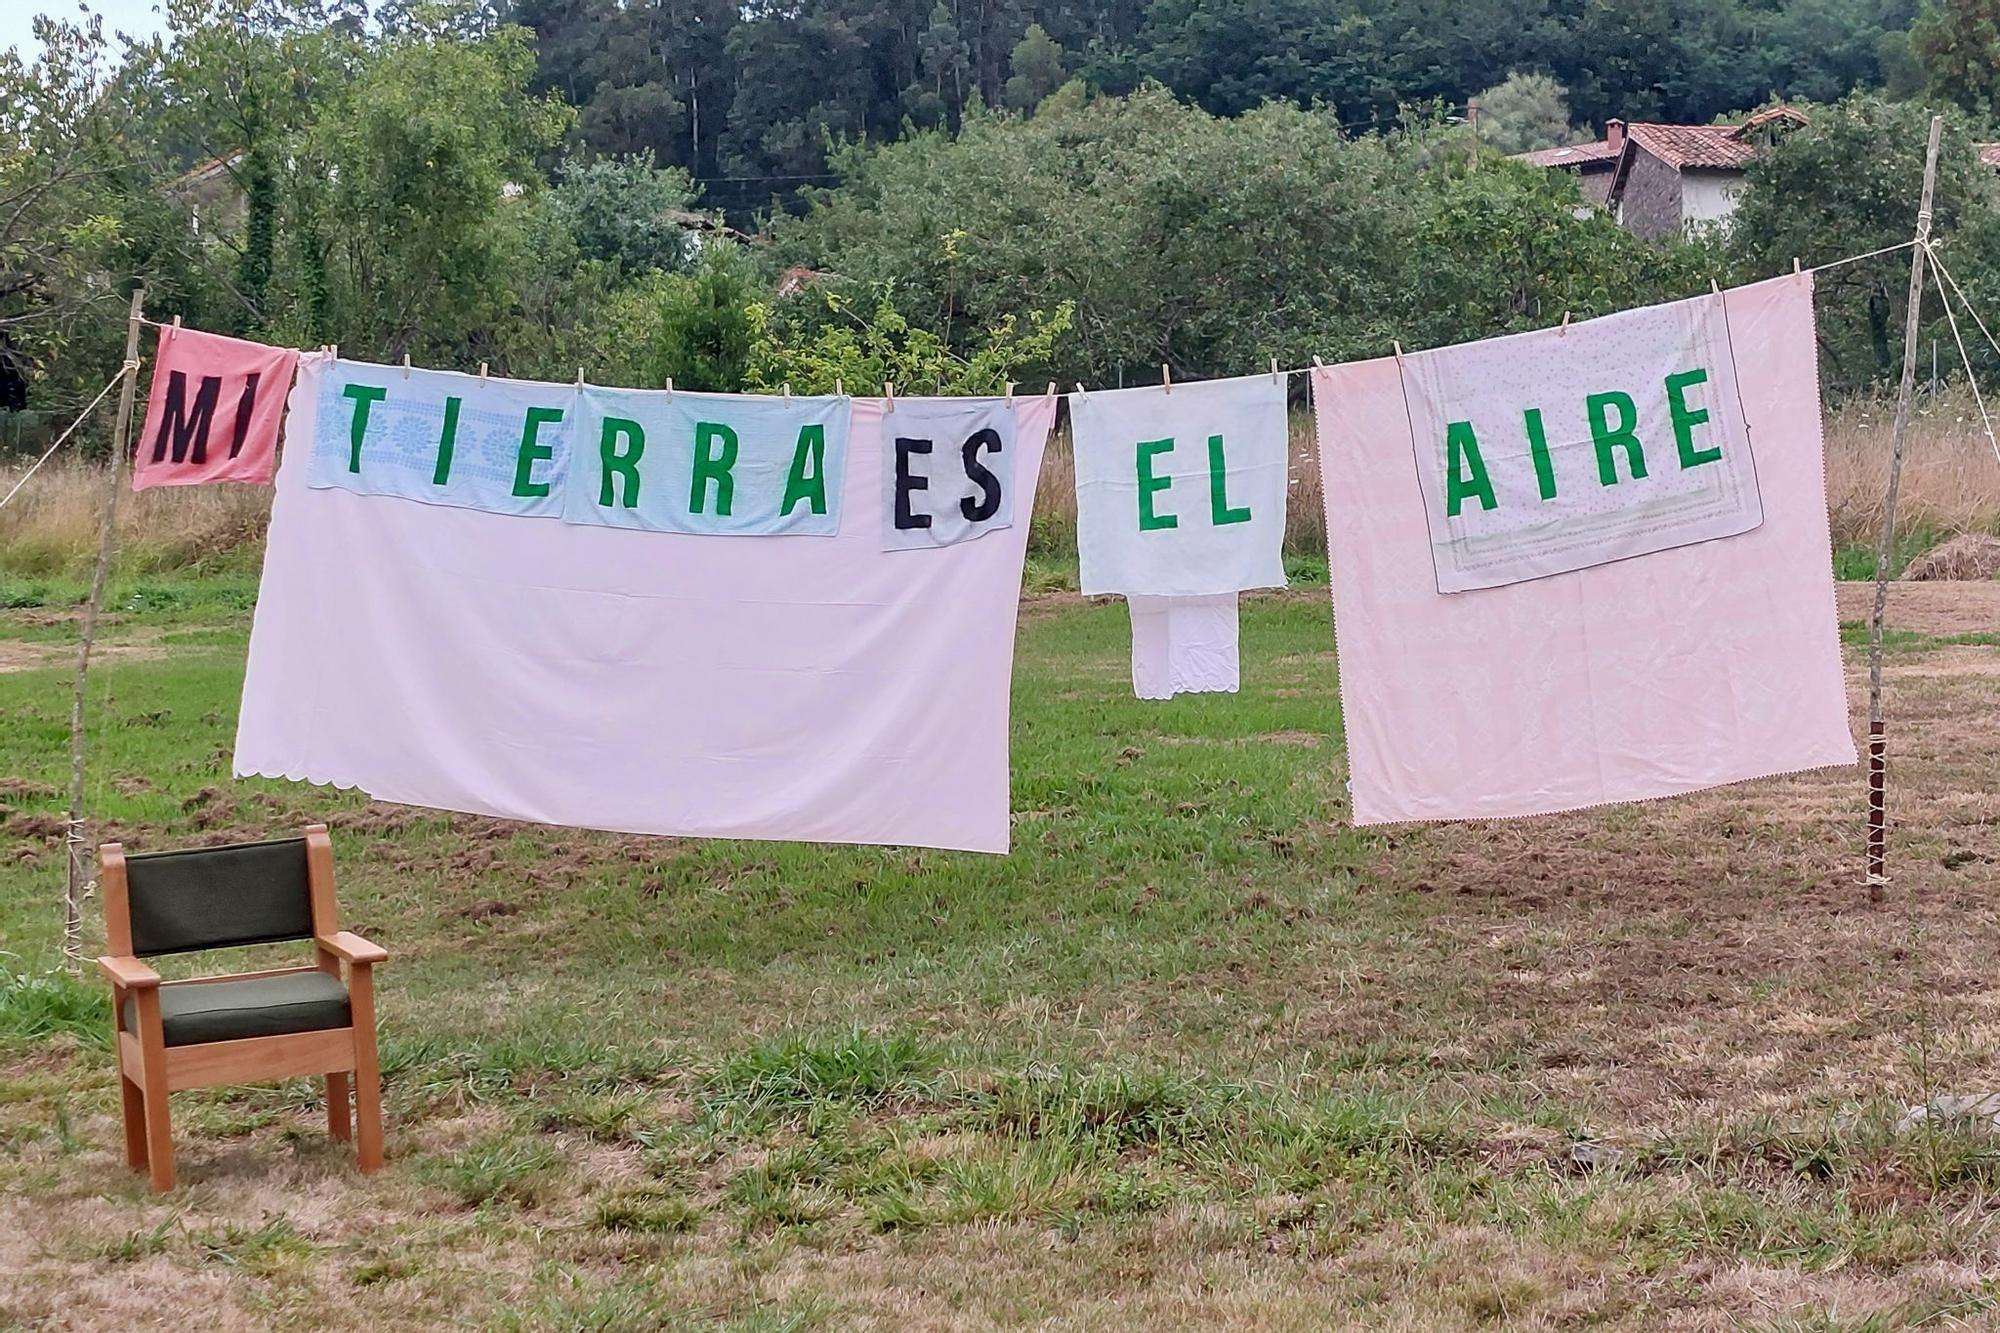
{"x":350,"y":947}
{"x":128,"y":972}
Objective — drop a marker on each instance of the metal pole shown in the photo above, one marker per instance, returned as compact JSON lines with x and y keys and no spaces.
{"x":1877,"y":741}
{"x":78,"y":843}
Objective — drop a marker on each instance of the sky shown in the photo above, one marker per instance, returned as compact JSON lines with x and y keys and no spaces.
{"x":139,"y":18}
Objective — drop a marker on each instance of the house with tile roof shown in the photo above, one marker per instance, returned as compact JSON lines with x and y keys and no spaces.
{"x":1665,"y":180}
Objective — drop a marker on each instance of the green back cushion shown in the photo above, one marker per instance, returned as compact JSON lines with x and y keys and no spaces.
{"x":219,"y":897}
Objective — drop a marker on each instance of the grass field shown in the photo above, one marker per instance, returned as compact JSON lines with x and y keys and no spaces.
{"x":1197,"y":1054}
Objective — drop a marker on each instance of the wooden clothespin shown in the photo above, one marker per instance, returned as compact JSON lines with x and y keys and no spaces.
{"x":839,"y":387}
{"x":1565,"y":325}
{"x":1795,"y":265}
{"x":888,"y":396}
{"x":670,"y":386}
{"x":482,"y":372}
{"x":1166,"y":378}
{"x":1318,"y":364}
{"x":1052,"y":388}
{"x":1010,"y":391}
{"x":788,"y":391}
{"x":1399,"y":351}
{"x":333,"y":350}
{"x":406,"y":365}
{"x":1715,"y":286}
{"x":177,"y":321}
{"x":579,"y":377}
{"x":1274,"y":370}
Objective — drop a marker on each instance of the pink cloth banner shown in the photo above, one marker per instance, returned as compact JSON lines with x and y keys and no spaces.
{"x":1662,"y":673}
{"x":213,"y":412}
{"x":786,"y":686}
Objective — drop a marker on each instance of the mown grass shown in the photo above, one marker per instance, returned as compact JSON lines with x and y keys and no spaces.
{"x":1196,"y":1053}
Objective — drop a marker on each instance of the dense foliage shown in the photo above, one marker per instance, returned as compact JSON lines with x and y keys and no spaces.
{"x":977,"y":194}
{"x":759,"y":90}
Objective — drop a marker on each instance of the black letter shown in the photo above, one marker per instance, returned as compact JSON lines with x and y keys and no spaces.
{"x":976,"y":472}
{"x":187,"y":427}
{"x":244,"y":407}
{"x":905,"y":483}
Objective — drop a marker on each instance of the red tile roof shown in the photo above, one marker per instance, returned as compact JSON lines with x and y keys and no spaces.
{"x":1683,"y":146}
{"x":1570,"y":155}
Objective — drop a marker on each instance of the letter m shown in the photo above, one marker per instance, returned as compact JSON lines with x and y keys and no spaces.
{"x":189,"y":429}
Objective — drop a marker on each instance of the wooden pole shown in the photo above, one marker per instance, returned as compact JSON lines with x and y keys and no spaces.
{"x":1878,"y":766}
{"x":78,"y":843}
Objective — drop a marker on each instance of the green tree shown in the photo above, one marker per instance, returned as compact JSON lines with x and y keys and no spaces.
{"x":63,"y":268}
{"x":1525,"y":112}
{"x":242,"y":78}
{"x":411,"y":192}
{"x":1957,"y":44}
{"x":1037,"y":66}
{"x":705,"y":330}
{"x":1846,"y":184}
{"x":621,"y":210}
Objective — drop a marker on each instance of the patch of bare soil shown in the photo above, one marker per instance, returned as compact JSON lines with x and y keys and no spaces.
{"x":1715,"y":956}
{"x":1928,"y":608}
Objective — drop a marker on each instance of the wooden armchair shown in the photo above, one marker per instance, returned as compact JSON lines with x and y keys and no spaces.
{"x":249,"y":1028}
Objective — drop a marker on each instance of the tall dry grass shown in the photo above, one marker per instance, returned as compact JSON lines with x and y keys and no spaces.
{"x":51,"y":528}
{"x":1951,"y":479}
{"x":1951,"y":484}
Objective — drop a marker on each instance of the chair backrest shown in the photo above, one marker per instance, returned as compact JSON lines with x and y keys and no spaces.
{"x":218,"y":897}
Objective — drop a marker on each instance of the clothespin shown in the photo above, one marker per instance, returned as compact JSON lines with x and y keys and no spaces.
{"x":406,"y":365}
{"x":1010,"y":391}
{"x":1052,"y":388}
{"x":579,"y":377}
{"x":1795,"y":265}
{"x":1565,"y":325}
{"x":1166,"y":378}
{"x":1274,"y":370}
{"x":1715,"y":286}
{"x":839,"y":387}
{"x":788,"y":391}
{"x":888,"y":396}
{"x":670,"y":386}
{"x":1399,"y":351}
{"x":482,"y":372}
{"x":177,"y":321}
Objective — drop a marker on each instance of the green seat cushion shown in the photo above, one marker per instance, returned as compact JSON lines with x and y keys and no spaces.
{"x":206,"y":1011}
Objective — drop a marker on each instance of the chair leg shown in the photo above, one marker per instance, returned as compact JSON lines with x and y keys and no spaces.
{"x":367,"y":1070}
{"x":337,"y":1122}
{"x":134,"y":1107}
{"x":153,"y":1086}
{"x":159,"y":1132}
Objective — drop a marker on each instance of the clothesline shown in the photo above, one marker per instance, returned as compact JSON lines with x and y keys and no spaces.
{"x":1930,"y":257}
{"x":130,"y":367}
{"x":1276,"y":371}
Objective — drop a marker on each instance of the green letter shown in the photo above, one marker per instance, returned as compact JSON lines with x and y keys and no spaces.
{"x":531,"y":453}
{"x":1464,"y":469}
{"x":1686,"y":418}
{"x":1148,"y":483}
{"x":799,"y":485}
{"x":1218,"y":483}
{"x":447,"y":441}
{"x":365,"y":396}
{"x":1538,"y":450}
{"x":713,"y":466}
{"x":624,"y":463}
{"x":1606,"y":439}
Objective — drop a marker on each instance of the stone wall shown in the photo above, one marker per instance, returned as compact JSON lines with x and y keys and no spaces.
{"x":1650,"y":204}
